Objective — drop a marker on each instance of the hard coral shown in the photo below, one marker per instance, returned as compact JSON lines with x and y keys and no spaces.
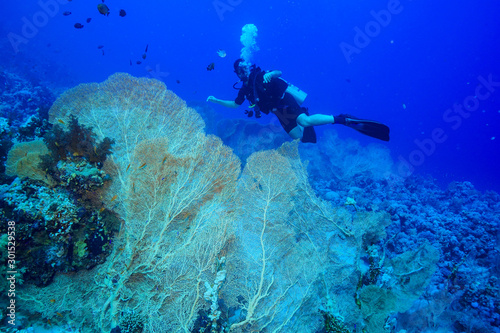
{"x":53,"y":228}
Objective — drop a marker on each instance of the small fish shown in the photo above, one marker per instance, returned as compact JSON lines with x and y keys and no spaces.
{"x":177,"y":81}
{"x":211,"y":67}
{"x":61,"y":121}
{"x":52,"y":301}
{"x":127,"y":168}
{"x":144,"y":56}
{"x":103,"y":9}
{"x":101,"y":210}
{"x":100,"y":46}
{"x":66,"y":13}
{"x":122,"y":13}
{"x":146,"y":50}
{"x":130,"y":62}
{"x":114,"y":197}
{"x":59,"y":314}
{"x":138,"y":62}
{"x":143,"y":165}
{"x":221,"y":53}
{"x":78,"y":25}
{"x":163,"y":161}
{"x":89,"y":19}
{"x":102,"y":52}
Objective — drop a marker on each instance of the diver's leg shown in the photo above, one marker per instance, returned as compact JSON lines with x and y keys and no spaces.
{"x":314,"y":120}
{"x":297,"y":132}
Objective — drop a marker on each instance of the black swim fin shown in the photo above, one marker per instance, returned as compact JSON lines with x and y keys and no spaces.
{"x":309,"y":135}
{"x":367,"y":127}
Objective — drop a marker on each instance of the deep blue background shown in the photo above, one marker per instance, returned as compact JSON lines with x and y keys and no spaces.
{"x":427,"y":58}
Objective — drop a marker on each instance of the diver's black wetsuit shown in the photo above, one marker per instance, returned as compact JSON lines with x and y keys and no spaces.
{"x":271,"y":97}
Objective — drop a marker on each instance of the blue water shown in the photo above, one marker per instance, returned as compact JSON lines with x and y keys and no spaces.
{"x":430,"y":71}
{"x":418,"y":62}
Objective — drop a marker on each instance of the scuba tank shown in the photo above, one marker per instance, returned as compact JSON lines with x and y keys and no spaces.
{"x":297,"y":93}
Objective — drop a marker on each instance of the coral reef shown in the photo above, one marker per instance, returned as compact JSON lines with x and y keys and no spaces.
{"x":51,"y":225}
{"x":169,"y":182}
{"x":24,"y":109}
{"x":56,"y":201}
{"x":203,"y":245}
{"x":461,"y":222}
{"x":22,"y":99}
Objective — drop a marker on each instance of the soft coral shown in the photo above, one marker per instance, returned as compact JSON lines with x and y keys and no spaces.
{"x":78,"y":141}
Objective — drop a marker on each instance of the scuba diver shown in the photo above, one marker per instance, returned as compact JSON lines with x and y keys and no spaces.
{"x":267,"y":92}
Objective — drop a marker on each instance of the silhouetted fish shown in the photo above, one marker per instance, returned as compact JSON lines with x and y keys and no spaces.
{"x":146,"y":50}
{"x":100,"y":46}
{"x":122,"y":13}
{"x":103,"y":9}
{"x":138,"y":62}
{"x":89,"y":19}
{"x":66,"y":13}
{"x":78,"y":25}
{"x":144,"y":56}
{"x":211,"y":67}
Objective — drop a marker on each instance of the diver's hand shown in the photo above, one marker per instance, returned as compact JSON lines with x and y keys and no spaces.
{"x":211,"y":99}
{"x":271,"y":75}
{"x":268,"y":77}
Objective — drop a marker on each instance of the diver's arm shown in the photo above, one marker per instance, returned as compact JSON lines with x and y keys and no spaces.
{"x":276,"y":73}
{"x":227,"y":104}
{"x":271,"y":75}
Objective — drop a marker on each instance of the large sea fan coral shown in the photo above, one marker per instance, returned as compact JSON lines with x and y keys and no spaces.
{"x":171,"y":185}
{"x":130,"y":110}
